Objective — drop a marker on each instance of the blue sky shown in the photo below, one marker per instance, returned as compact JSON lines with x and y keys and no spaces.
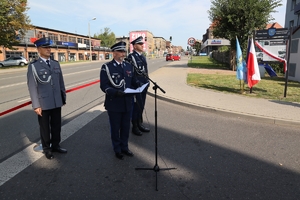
{"x":180,"y":19}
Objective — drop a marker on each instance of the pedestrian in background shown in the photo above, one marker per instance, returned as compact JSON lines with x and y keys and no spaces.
{"x":48,"y":94}
{"x":141,"y":72}
{"x":115,"y":76}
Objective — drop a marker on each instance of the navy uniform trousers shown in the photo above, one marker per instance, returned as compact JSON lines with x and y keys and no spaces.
{"x":139,"y":104}
{"x":119,"y":129}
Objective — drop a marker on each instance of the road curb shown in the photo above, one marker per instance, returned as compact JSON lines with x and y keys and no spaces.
{"x":244,"y":116}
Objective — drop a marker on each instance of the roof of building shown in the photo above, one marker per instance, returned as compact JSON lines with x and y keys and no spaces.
{"x":273,"y":25}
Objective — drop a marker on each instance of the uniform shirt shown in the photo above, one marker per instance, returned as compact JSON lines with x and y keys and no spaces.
{"x":141,"y":64}
{"x":46,"y":85}
{"x":114,"y":77}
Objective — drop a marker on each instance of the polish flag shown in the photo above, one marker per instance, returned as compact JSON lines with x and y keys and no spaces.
{"x":253,"y":74}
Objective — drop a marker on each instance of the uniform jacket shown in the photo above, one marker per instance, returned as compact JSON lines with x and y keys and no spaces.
{"x":46,"y":85}
{"x":114,"y":77}
{"x":141,"y":64}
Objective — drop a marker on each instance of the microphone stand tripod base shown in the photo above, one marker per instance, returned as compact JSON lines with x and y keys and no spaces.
{"x":156,"y":167}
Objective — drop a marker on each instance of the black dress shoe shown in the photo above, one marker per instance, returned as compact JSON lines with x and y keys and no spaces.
{"x":120,"y":156}
{"x":59,"y":150}
{"x":136,"y":131}
{"x":128,"y":153}
{"x":143,"y":128}
{"x":49,"y":155}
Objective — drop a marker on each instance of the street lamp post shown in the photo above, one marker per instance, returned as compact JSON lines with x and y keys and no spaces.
{"x":90,"y":57}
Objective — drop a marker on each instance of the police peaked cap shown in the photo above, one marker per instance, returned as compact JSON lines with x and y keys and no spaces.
{"x":43,"y":42}
{"x":138,"y":40}
{"x":120,"y":46}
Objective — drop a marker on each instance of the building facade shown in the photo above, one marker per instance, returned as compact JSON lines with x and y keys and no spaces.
{"x":153,"y":46}
{"x":210,"y":43}
{"x":292,"y":21}
{"x":69,"y":47}
{"x":66,"y":46}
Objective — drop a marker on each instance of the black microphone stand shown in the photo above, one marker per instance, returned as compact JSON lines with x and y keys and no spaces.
{"x":156,"y":168}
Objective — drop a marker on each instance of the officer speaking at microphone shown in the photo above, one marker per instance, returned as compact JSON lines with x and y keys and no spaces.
{"x":141,"y":72}
{"x":115,"y":76}
{"x":48,"y":94}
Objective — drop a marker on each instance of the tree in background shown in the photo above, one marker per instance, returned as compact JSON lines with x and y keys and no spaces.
{"x":13,"y":22}
{"x":239,"y":18}
{"x":197,"y":46}
{"x":107,"y":37}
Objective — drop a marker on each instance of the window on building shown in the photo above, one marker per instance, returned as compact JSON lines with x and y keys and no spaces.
{"x":72,"y":39}
{"x":79,"y":40}
{"x":293,"y":4}
{"x":292,"y":23}
{"x":13,"y":54}
{"x":63,"y":38}
{"x":86,"y":41}
{"x":53,"y":37}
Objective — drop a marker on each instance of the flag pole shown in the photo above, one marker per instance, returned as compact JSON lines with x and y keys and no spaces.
{"x":243,"y":91}
{"x":241,"y":85}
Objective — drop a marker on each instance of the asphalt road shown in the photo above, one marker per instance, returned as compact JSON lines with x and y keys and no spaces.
{"x":216,"y":157}
{"x":19,"y":129}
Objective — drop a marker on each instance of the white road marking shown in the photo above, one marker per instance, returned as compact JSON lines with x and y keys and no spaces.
{"x":27,"y":99}
{"x":20,"y":161}
{"x":6,"y":86}
{"x":22,"y":83}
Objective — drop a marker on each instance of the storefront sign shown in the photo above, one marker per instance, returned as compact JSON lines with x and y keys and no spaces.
{"x":69,"y":44}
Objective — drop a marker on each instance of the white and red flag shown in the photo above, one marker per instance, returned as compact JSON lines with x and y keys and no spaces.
{"x":253,"y":74}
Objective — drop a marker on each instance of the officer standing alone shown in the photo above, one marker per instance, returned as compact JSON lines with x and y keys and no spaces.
{"x":48,"y":94}
{"x":141,"y":69}
{"x":115,"y":76}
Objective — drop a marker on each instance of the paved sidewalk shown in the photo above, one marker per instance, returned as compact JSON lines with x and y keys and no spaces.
{"x":172,"y":79}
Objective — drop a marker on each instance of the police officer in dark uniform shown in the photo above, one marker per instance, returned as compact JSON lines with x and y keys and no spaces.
{"x":48,"y":94}
{"x":141,"y":69}
{"x":115,"y":76}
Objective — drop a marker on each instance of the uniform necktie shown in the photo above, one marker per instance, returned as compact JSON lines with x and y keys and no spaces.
{"x":48,"y":63}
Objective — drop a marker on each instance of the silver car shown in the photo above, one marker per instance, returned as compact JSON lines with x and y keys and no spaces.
{"x":14,"y":61}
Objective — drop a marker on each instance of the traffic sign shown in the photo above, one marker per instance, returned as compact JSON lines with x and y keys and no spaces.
{"x":191,"y":41}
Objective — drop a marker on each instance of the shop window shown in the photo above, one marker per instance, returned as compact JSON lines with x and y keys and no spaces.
{"x":32,"y":56}
{"x":13,"y":53}
{"x":61,"y":57}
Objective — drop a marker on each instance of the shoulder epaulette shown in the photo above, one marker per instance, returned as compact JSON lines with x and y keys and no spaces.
{"x":54,"y":60}
{"x":33,"y":61}
{"x":108,"y":62}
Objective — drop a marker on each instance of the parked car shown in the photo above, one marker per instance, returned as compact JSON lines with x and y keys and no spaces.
{"x":172,"y":57}
{"x":14,"y":61}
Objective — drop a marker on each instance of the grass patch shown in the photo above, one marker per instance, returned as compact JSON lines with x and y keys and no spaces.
{"x":267,"y":88}
{"x":205,"y":62}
